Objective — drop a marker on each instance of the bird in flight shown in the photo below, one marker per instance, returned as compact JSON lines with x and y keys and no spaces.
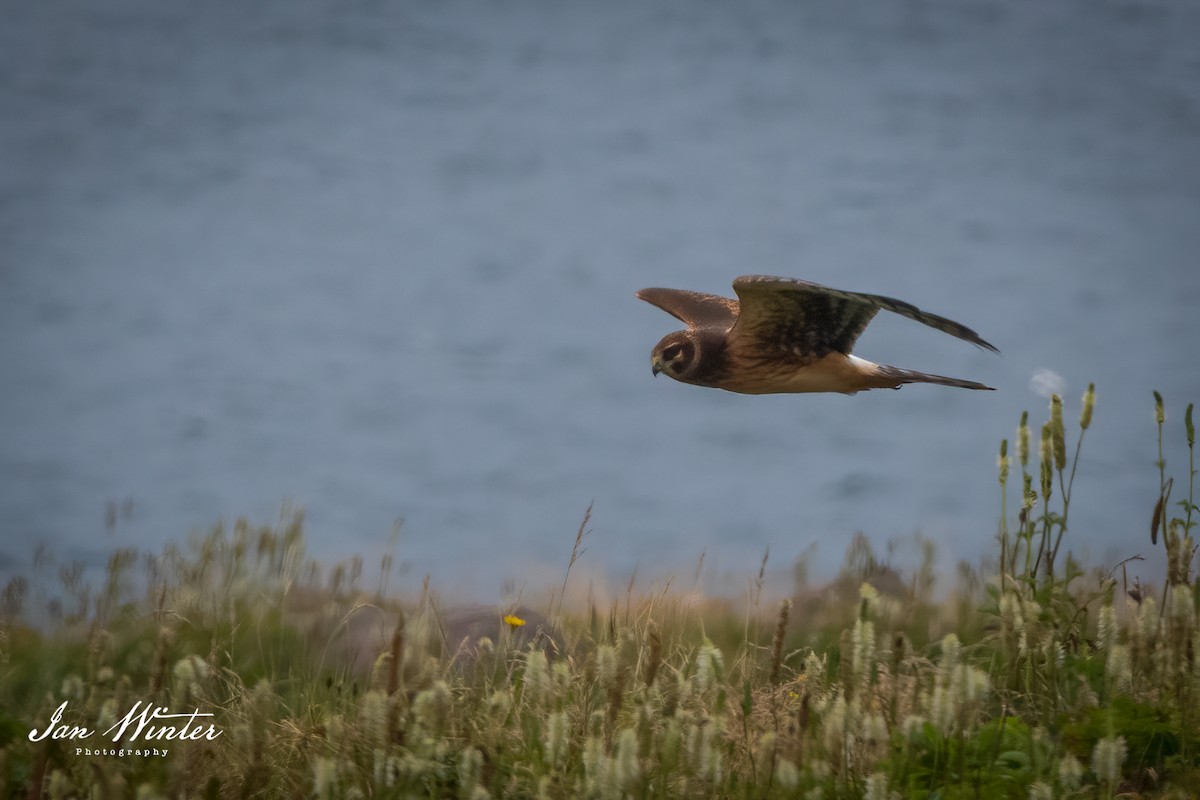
{"x":785,"y":335}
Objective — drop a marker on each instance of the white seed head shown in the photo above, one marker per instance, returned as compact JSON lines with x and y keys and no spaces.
{"x":1040,"y":790}
{"x":1070,"y":772}
{"x":556,"y":737}
{"x":1108,"y":758}
{"x":1119,"y":668}
{"x":787,"y":775}
{"x":1106,"y":628}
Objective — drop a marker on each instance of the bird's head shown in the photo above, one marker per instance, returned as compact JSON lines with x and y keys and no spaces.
{"x":677,"y":355}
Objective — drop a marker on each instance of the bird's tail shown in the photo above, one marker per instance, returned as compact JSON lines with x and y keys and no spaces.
{"x":903,"y":376}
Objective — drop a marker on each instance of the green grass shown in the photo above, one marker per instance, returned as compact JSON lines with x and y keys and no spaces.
{"x":1033,"y":678}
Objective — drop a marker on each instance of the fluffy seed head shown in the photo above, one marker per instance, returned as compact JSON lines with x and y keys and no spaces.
{"x":1070,"y":772}
{"x":1003,"y":462}
{"x":1089,"y":403}
{"x":1023,"y":439}
{"x":1047,"y":452}
{"x":1058,"y":433}
{"x":1108,"y":758}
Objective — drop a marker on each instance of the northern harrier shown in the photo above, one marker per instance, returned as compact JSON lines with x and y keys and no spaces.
{"x":785,"y":335}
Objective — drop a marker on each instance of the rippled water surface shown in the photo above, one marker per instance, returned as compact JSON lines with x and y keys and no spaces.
{"x":378,"y":259}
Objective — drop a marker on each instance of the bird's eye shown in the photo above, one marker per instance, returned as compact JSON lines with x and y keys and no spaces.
{"x":672,"y":352}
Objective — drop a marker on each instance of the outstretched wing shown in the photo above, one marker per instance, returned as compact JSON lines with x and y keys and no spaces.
{"x":695,"y":309}
{"x":809,"y":321}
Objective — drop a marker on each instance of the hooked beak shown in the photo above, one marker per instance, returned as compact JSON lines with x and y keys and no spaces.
{"x":655,"y":366}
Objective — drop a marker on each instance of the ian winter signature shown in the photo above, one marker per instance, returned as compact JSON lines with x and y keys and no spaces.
{"x":144,"y":722}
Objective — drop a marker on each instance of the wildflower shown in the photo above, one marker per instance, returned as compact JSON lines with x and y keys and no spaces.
{"x":1089,"y":402}
{"x":1160,"y":416}
{"x":513,"y":621}
{"x":1108,"y":757}
{"x":1003,"y":462}
{"x":1187,"y":424}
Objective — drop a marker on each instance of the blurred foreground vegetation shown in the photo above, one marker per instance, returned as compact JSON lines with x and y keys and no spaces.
{"x":1031,"y":679}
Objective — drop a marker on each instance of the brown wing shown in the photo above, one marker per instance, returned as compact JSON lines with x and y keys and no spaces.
{"x":695,"y":309}
{"x":813,"y":320}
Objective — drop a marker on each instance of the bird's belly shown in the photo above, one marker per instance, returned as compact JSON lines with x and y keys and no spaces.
{"x":835,"y":372}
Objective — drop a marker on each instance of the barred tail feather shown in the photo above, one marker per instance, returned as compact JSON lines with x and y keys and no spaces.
{"x":903,"y":376}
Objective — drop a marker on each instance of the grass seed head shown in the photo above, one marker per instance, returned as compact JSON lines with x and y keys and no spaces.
{"x":1002,"y":463}
{"x":1070,"y":772}
{"x":1047,"y":460}
{"x":1089,"y":403}
{"x":787,"y":775}
{"x":1108,"y":757}
{"x":1040,"y":790}
{"x":1058,"y":433}
{"x":1023,"y":439}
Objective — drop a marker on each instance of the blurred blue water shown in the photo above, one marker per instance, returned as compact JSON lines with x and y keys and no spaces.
{"x":379,"y":259}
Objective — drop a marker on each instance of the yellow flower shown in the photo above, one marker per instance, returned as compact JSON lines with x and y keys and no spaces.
{"x":513,"y":620}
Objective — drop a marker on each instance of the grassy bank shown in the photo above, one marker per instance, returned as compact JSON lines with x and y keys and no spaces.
{"x":1033,"y":679}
